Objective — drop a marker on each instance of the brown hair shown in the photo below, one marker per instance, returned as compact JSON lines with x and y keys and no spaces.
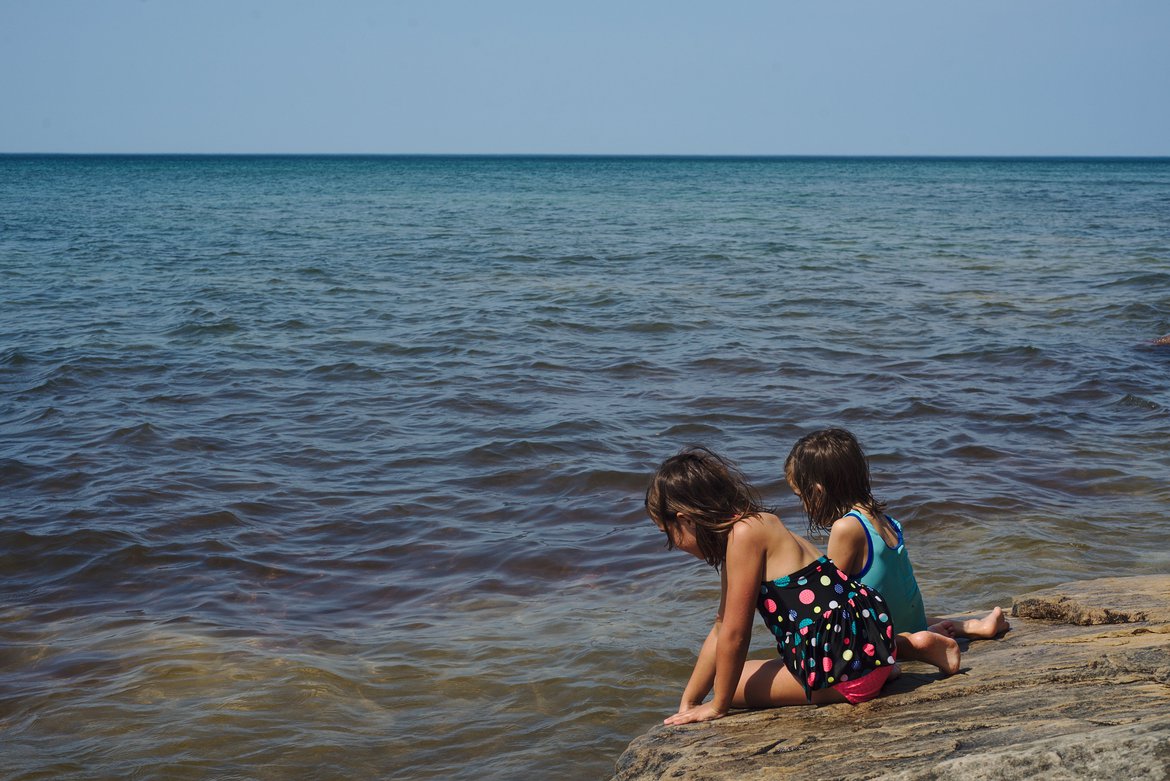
{"x":710,"y":490}
{"x":829,"y":471}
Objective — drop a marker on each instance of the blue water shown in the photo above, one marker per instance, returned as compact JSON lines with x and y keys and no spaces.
{"x":332,"y":467}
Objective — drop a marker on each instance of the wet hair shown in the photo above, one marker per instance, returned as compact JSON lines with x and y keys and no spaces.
{"x":829,"y":470}
{"x":710,"y":490}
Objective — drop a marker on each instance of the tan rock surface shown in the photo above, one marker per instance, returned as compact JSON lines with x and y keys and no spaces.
{"x":1083,"y":696}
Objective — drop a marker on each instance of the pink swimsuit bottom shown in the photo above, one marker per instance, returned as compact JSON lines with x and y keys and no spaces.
{"x":866,"y":687}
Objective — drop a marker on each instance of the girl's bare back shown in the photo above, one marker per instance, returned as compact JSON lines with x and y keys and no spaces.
{"x":785,"y":552}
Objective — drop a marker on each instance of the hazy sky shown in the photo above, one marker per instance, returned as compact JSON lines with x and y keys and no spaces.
{"x":921,"y":77}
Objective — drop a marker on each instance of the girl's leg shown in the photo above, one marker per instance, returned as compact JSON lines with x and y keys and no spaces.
{"x":930,"y":647}
{"x":991,"y":625}
{"x":766,"y":684}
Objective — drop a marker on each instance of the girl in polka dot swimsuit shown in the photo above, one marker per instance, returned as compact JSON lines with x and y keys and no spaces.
{"x":830,"y":630}
{"x":834,"y":635}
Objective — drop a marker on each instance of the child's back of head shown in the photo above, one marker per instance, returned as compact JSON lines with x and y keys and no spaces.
{"x":828,"y":471}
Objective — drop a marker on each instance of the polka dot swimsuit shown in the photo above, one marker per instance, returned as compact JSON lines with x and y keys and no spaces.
{"x":828,"y":628}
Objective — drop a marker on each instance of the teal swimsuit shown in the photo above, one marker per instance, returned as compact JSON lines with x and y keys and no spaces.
{"x":888,"y":570}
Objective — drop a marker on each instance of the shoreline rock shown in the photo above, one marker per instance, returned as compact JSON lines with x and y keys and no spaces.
{"x":1079,"y":688}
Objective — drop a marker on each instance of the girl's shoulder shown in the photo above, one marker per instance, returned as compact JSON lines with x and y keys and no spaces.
{"x":757,"y":523}
{"x":852,"y":527}
{"x":849,"y":523}
{"x":848,"y":529}
{"x":757,"y":529}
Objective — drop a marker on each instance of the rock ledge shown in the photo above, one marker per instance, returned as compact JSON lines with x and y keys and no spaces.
{"x":1080,"y":688}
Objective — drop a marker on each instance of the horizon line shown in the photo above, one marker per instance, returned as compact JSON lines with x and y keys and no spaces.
{"x":606,"y":155}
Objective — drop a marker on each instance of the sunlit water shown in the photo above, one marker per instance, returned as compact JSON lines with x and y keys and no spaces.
{"x":333,"y":467}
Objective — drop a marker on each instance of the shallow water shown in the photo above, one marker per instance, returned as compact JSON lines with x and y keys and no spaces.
{"x":333,"y":466}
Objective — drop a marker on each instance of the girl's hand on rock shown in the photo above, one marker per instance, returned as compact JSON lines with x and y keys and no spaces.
{"x":706,"y":712}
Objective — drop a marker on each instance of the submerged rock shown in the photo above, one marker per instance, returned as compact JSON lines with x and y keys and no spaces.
{"x":1079,"y":688}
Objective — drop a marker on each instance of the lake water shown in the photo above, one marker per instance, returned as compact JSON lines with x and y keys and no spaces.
{"x":332,"y":467}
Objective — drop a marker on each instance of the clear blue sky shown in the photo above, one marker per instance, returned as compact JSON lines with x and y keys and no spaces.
{"x":921,"y":77}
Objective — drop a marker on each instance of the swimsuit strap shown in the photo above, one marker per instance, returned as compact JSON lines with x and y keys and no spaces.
{"x":868,"y":543}
{"x":898,"y":528}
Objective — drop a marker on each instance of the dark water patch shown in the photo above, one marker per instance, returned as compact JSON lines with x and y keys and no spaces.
{"x":255,"y":511}
{"x":345,"y":371}
{"x":974,"y":452}
{"x":224,"y":327}
{"x":16,"y":358}
{"x":178,"y":399}
{"x":1137,"y":402}
{"x":15,"y":473}
{"x":141,"y":434}
{"x":56,"y":554}
{"x":64,"y":481}
{"x":691,"y":431}
{"x":211,"y":532}
{"x":1144,"y":281}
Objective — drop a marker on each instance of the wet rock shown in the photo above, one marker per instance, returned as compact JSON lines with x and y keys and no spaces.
{"x":1130,"y":600}
{"x":1080,"y":688}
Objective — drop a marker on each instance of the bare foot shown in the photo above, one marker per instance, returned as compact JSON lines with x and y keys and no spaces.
{"x":991,"y":625}
{"x":944,"y":627}
{"x":933,"y":648}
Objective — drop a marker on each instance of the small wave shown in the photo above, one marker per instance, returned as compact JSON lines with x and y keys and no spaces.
{"x":975,"y":453}
{"x":512,"y":451}
{"x":691,"y":431}
{"x":921,"y":408}
{"x":14,"y":472}
{"x":1129,"y":400}
{"x":653,"y":327}
{"x":141,"y":434}
{"x":1150,"y":280}
{"x":636,"y":369}
{"x":216,"y":520}
{"x":220,"y":328}
{"x":201,"y":445}
{"x":64,"y":481}
{"x":14,"y":357}
{"x":312,"y":271}
{"x":52,"y":556}
{"x":178,"y":398}
{"x":60,"y":380}
{"x":254,"y":510}
{"x":347,"y":370}
{"x":602,"y":480}
{"x":572,"y":326}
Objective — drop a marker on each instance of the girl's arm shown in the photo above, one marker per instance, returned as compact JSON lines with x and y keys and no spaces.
{"x":847,"y":545}
{"x":742,"y":574}
{"x":704,"y":673}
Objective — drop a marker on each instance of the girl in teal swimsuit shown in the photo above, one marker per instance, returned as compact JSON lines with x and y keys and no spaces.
{"x":828,"y":471}
{"x":833,"y":635}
